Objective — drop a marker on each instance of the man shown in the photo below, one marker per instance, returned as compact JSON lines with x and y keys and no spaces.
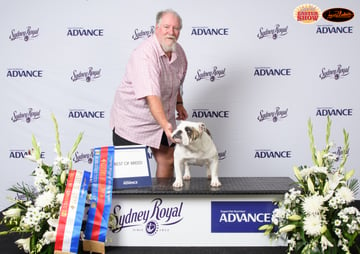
{"x":144,"y":106}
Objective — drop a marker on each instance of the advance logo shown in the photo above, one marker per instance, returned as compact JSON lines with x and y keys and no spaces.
{"x":240,"y":216}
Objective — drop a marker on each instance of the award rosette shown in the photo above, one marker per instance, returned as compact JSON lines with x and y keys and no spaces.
{"x":100,"y":203}
{"x":72,"y":212}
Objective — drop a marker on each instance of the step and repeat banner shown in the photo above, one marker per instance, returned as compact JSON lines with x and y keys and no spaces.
{"x":258,"y":71}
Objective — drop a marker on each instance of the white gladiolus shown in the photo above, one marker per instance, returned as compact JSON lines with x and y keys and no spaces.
{"x":24,"y":244}
{"x":310,"y":185}
{"x":287,"y":228}
{"x":12,"y":213}
{"x":63,"y":177}
{"x":325,"y":243}
{"x":50,"y":236}
{"x":53,"y":222}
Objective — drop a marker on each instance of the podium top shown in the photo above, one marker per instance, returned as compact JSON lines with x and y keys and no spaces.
{"x":201,"y":186}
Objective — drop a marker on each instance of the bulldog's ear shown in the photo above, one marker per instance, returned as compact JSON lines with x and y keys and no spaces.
{"x":202,"y":127}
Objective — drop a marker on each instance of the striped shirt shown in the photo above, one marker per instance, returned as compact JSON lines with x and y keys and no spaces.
{"x":149,"y":72}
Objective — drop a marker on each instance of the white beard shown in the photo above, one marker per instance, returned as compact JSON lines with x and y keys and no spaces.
{"x":169,"y":48}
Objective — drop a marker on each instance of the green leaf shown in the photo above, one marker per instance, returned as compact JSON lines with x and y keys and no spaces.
{"x":57,"y":136}
{"x":345,"y":150}
{"x":327,"y":137}
{"x":75,"y":146}
{"x":24,"y":189}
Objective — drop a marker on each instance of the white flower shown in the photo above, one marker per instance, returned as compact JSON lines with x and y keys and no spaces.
{"x":325,"y":243}
{"x":63,"y":176}
{"x":24,"y":244}
{"x":334,"y":180}
{"x":313,"y":204}
{"x":294,"y":194}
{"x":49,"y":236}
{"x":40,"y":178}
{"x":331,"y":156}
{"x":12,"y":213}
{"x":322,"y":170}
{"x":312,"y":225}
{"x":287,"y":228}
{"x":345,"y":194}
{"x":291,"y":243}
{"x":338,"y":232}
{"x":59,"y":198}
{"x":44,"y":199}
{"x":278,"y":215}
{"x":337,"y":222}
{"x":52,"y":188}
{"x":53,"y":222}
{"x":305,"y":172}
{"x":37,"y":228}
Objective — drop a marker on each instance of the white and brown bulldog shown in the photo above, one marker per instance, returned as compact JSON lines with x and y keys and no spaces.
{"x":194,"y":146}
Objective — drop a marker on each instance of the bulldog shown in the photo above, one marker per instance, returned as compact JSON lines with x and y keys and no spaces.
{"x":194,"y":146}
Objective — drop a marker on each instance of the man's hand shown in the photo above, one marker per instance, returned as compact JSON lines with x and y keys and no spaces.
{"x":181,"y":112}
{"x":168,"y":131}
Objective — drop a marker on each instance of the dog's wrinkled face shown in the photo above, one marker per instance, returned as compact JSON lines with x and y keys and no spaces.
{"x":187,"y":132}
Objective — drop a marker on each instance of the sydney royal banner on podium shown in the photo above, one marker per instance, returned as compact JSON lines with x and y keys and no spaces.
{"x":131,"y":167}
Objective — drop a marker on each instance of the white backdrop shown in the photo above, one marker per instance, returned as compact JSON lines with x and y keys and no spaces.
{"x":47,"y":49}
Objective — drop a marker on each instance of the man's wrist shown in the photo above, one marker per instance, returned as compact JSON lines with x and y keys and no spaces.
{"x":179,"y":103}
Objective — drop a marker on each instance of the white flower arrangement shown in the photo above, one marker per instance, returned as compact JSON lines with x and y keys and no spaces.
{"x":316,"y":216}
{"x":36,"y":209}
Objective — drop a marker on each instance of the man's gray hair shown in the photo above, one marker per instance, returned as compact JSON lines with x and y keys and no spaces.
{"x":160,"y":14}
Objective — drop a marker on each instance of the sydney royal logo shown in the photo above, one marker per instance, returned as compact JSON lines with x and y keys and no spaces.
{"x":274,"y":33}
{"x":84,"y":157}
{"x":89,"y":75}
{"x":27,"y":116}
{"x":139,"y":34}
{"x":25,"y":35}
{"x":211,"y":75}
{"x":158,"y":216}
{"x":335,"y":73}
{"x":274,"y":116}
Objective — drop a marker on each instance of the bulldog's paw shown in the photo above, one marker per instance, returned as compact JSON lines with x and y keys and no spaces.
{"x":186,"y":177}
{"x":215,"y":182}
{"x":178,"y":183}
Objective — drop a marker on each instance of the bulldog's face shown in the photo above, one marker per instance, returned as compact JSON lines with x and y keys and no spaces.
{"x":187,"y":132}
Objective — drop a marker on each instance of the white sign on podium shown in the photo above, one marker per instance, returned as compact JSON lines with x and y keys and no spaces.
{"x":131,"y":167}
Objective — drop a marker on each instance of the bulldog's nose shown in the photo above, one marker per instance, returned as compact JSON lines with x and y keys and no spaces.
{"x":177,"y":135}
